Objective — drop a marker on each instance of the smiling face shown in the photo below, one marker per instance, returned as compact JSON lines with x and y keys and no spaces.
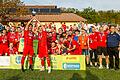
{"x":40,"y":29}
{"x":30,"y":27}
{"x":93,"y":29}
{"x":77,"y":33}
{"x":13,"y":29}
{"x":53,"y":44}
{"x":60,"y":30}
{"x":101,"y":29}
{"x":4,"y":31}
{"x":83,"y":32}
{"x":112,"y":29}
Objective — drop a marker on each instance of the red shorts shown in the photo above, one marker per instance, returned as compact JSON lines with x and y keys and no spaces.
{"x":42,"y":52}
{"x":28,"y":50}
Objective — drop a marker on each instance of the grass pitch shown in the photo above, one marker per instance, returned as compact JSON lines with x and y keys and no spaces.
{"x":89,"y":74}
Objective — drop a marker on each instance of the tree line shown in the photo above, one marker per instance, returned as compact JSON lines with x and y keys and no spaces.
{"x":93,"y":16}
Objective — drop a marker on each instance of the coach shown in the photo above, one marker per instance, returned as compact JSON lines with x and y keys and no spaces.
{"x":113,"y":43}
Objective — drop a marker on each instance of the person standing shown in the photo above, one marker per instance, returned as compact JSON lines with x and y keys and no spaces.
{"x":113,"y":44}
{"x":28,"y":45}
{"x":102,"y":39}
{"x":84,"y":44}
{"x":42,"y":48}
{"x":93,"y":46}
{"x":4,"y":43}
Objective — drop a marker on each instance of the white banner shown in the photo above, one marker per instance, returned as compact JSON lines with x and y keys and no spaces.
{"x":4,"y":60}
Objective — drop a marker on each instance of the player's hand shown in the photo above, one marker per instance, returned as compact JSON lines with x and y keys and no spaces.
{"x":119,"y":48}
{"x":69,"y":49}
{"x":90,"y":49}
{"x":5,"y":54}
{"x":68,"y":53}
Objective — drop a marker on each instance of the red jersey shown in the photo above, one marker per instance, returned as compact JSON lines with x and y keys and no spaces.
{"x":93,"y":40}
{"x":42,"y":44}
{"x":0,"y":39}
{"x":28,"y":38}
{"x":19,"y":35}
{"x":54,"y":50}
{"x":64,"y":27}
{"x":12,"y":37}
{"x":75,"y":51}
{"x":54,"y":36}
{"x":12,"y":50}
{"x":4,"y":39}
{"x":42,"y":37}
{"x":102,"y":38}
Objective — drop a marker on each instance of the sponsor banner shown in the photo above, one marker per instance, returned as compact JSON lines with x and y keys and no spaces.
{"x":71,"y":66}
{"x":16,"y":61}
{"x":76,"y":62}
{"x":21,"y":45}
{"x":4,"y":62}
{"x":58,"y":62}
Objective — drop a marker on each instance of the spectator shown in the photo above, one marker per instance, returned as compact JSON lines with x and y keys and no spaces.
{"x":113,"y":42}
{"x":12,"y":50}
{"x":54,"y":48}
{"x":102,"y":39}
{"x":93,"y":46}
{"x":64,"y":27}
{"x":4,"y":43}
{"x":73,"y":46}
{"x":76,"y":35}
{"x":84,"y":43}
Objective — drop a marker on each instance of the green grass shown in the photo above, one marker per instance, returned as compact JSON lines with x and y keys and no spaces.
{"x":102,"y":74}
{"x":89,"y":74}
{"x":37,"y":75}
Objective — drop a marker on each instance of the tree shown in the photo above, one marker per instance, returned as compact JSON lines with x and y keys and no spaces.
{"x":90,"y":14}
{"x":9,"y":7}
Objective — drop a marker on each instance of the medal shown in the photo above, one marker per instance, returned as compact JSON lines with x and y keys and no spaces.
{"x":82,"y":41}
{"x":101,"y":34}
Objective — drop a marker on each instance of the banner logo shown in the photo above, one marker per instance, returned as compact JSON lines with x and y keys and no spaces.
{"x":18,"y":59}
{"x":71,"y":66}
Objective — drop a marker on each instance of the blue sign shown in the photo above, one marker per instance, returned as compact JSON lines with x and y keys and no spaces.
{"x":18,"y":59}
{"x":71,"y":66}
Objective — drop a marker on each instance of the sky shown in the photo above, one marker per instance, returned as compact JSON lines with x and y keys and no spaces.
{"x":78,"y":4}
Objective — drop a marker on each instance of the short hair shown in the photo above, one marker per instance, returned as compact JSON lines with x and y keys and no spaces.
{"x":30,"y":24}
{"x":77,"y":31}
{"x":92,"y":27}
{"x":69,"y":36}
{"x":112,"y":26}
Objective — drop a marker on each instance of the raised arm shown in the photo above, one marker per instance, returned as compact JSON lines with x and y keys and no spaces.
{"x":26,"y":28}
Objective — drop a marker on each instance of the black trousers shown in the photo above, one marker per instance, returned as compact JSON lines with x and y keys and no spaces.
{"x":113,"y":51}
{"x":95,"y":55}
